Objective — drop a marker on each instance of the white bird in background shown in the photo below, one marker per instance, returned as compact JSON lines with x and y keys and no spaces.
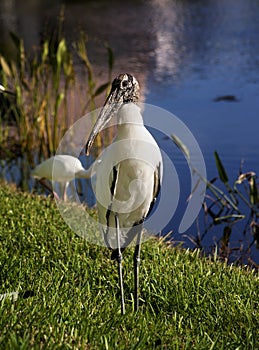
{"x":128,"y":176}
{"x":5,"y":91}
{"x":67,"y":168}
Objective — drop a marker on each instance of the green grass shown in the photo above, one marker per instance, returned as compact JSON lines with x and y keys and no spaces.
{"x":68,"y":290}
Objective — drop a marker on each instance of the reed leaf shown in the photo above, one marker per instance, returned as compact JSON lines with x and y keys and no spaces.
{"x":221,"y":196}
{"x":181,"y":146}
{"x":253,"y":190}
{"x":221,"y":170}
{"x":232,"y":217}
{"x":19,"y":44}
{"x":61,"y":52}
{"x":45,"y":51}
{"x":101,"y":89}
{"x":255,"y":232}
{"x":5,"y":67}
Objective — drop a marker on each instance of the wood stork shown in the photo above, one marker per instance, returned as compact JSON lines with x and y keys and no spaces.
{"x":128,"y":176}
{"x":66,"y":168}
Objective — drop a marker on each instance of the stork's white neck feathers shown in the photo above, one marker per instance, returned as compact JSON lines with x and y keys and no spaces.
{"x":129,"y":113}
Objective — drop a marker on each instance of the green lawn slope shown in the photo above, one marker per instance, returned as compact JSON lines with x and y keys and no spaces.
{"x":68,"y":290}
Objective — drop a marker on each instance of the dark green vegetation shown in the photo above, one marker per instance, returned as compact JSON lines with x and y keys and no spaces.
{"x":52,"y":86}
{"x":232,"y":207}
{"x":68,"y":290}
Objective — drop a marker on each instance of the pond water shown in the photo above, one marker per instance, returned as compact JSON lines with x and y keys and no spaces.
{"x":185,"y":55}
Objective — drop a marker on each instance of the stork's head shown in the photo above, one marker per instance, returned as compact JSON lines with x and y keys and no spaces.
{"x":125,"y":89}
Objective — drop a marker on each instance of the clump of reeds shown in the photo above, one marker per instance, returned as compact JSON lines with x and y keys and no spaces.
{"x":45,"y":84}
{"x":227,"y":205}
{"x":232,"y":204}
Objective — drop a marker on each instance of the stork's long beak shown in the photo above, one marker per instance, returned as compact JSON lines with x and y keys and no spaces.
{"x":110,"y":108}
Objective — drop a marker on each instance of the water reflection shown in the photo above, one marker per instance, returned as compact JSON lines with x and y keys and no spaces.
{"x":158,"y":38}
{"x":168,"y":45}
{"x":206,"y":38}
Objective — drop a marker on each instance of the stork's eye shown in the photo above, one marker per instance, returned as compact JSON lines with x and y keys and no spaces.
{"x":124,"y":83}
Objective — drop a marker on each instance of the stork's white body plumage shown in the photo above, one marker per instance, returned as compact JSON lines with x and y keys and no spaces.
{"x":61,"y":168}
{"x":134,"y":180}
{"x":128,"y":175}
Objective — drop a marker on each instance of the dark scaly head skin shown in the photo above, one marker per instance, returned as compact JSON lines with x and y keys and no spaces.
{"x":125,"y":89}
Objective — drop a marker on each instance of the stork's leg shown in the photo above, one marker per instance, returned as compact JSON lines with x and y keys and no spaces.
{"x":119,"y":260}
{"x":136,"y":270}
{"x":48,"y":187}
{"x":65,"y":191}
